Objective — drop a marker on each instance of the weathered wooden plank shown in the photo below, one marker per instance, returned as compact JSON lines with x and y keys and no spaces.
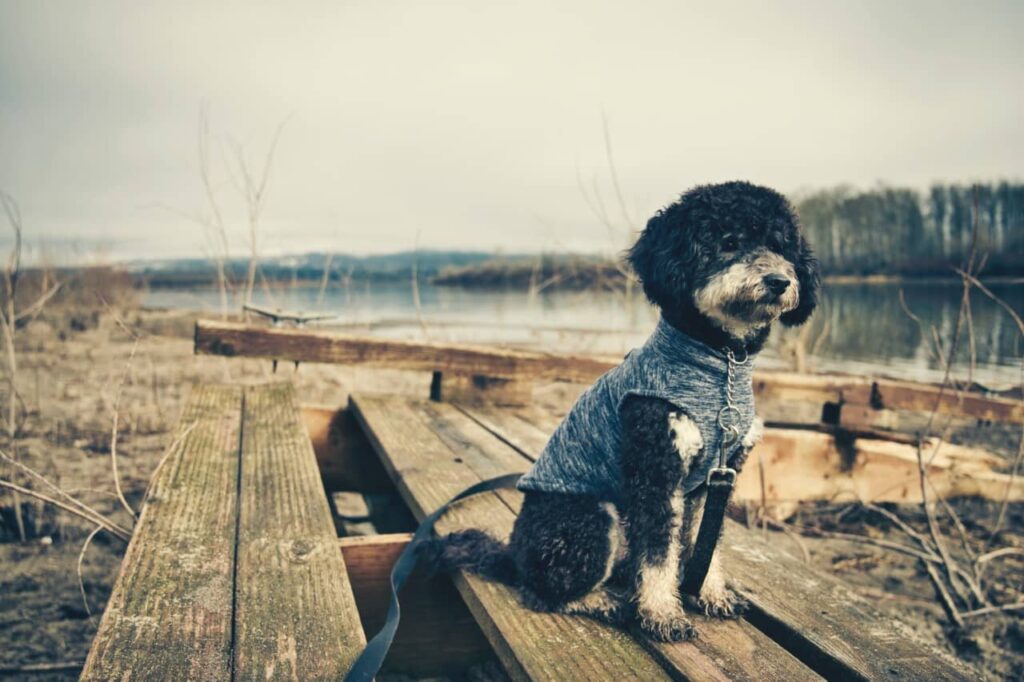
{"x":824,"y":623}
{"x":801,"y":396}
{"x":526,"y":430}
{"x":303,"y":345}
{"x":437,"y":635}
{"x":801,"y":465}
{"x":725,"y":650}
{"x":343,"y":455}
{"x":883,"y":394}
{"x":530,"y":645}
{"x":812,"y":614}
{"x":295,"y":615}
{"x":169,"y":616}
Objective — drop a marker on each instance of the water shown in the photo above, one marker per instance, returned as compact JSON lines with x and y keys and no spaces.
{"x":861,"y":328}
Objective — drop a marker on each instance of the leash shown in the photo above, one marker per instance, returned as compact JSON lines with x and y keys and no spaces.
{"x":368,"y":664}
{"x":720,"y":482}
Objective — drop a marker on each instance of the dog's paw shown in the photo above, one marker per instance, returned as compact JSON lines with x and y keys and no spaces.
{"x":722,"y":603}
{"x":602,"y":605}
{"x":674,"y":627}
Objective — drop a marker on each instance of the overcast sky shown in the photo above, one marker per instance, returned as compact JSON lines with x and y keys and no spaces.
{"x":474,"y":124}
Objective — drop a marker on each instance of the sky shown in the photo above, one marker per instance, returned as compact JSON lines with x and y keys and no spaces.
{"x":480,"y":125}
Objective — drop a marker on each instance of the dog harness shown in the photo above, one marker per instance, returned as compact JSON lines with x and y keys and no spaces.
{"x":583,"y":454}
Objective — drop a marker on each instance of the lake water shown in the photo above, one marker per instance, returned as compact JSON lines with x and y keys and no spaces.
{"x":859,"y":328}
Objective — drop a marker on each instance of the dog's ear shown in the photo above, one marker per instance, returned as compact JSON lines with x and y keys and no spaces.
{"x":662,"y":260}
{"x":809,"y":277}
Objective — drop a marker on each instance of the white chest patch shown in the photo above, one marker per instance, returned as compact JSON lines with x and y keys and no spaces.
{"x":685,"y":435}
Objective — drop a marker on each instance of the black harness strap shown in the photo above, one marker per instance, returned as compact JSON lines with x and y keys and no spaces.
{"x":368,"y":664}
{"x":720,"y":484}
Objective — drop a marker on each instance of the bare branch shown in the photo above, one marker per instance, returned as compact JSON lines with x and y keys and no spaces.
{"x":81,"y":583}
{"x":1018,"y":606}
{"x":37,"y":306}
{"x":109,"y":526}
{"x":113,"y":433}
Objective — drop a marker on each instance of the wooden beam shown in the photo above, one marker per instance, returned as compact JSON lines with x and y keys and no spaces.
{"x":295,"y":615}
{"x":298,"y":345}
{"x":867,"y":393}
{"x":170,"y":614}
{"x":481,"y":389}
{"x":345,"y":458}
{"x":437,"y":635}
{"x":804,"y":465}
{"x":782,"y":396}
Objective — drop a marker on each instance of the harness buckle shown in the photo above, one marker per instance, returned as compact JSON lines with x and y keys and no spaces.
{"x":721,"y":476}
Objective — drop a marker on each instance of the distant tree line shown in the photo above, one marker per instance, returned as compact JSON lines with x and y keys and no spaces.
{"x":890,"y":230}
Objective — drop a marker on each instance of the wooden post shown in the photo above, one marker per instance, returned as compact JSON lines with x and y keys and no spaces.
{"x":480,"y":389}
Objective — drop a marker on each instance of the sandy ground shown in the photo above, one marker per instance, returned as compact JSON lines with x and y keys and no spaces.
{"x":69,"y":380}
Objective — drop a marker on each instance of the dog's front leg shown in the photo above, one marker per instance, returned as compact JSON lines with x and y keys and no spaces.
{"x":716,"y":598}
{"x":659,"y":446}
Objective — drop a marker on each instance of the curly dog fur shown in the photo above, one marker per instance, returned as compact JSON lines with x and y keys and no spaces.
{"x":722,"y":263}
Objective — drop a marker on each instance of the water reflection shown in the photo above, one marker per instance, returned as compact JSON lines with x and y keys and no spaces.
{"x":859,"y":327}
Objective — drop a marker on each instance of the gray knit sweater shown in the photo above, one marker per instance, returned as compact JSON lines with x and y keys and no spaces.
{"x":583,"y":455}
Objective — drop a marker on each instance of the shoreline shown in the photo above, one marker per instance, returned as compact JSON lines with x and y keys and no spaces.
{"x":832,"y":280}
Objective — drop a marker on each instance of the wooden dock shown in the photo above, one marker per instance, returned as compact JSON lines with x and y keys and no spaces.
{"x":235,"y":570}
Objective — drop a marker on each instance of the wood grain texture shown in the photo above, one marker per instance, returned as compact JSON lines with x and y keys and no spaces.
{"x":822,"y":621}
{"x":169,"y":616}
{"x":343,"y":455}
{"x":295,"y":615}
{"x":811,"y":614}
{"x":437,"y":635}
{"x":530,"y":645}
{"x":481,"y":389}
{"x":304,"y":345}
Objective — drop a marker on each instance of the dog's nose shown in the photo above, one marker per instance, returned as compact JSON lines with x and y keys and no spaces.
{"x":776,"y":284}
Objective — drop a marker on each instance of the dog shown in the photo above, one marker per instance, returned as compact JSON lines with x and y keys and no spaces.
{"x":612,"y":506}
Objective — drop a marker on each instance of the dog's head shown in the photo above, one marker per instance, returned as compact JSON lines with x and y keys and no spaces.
{"x":731,"y":253}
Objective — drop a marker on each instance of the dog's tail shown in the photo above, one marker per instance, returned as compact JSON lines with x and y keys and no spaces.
{"x":474,"y":551}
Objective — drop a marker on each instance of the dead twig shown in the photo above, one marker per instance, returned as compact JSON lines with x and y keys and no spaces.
{"x":111,"y":527}
{"x":81,"y":583}
{"x":113,"y":434}
{"x":1001,"y":552}
{"x":1017,"y":606}
{"x":42,"y":668}
{"x":87,"y":511}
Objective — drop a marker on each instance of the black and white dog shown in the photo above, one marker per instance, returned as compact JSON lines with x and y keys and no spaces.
{"x":612,"y":506}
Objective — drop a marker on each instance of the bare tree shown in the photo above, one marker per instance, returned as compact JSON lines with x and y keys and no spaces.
{"x":622,"y":229}
{"x":213,"y":219}
{"x":252,"y":184}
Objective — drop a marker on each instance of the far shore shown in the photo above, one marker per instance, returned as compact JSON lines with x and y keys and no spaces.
{"x":604,"y":285}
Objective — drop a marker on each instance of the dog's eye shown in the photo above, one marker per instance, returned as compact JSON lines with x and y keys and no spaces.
{"x":730,"y":243}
